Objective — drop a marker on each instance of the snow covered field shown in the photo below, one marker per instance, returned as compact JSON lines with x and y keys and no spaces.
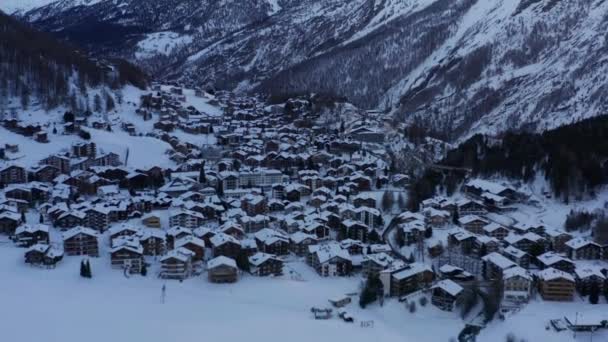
{"x":64,"y":307}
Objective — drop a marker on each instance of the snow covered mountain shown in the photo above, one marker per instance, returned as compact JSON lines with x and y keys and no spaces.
{"x":455,"y":66}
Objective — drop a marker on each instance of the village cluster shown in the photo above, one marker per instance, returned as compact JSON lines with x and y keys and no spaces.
{"x":280,"y":185}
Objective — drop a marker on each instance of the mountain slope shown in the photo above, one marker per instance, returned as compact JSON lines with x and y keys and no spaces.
{"x":530,"y":64}
{"x":35,"y":66}
{"x":454,"y":66}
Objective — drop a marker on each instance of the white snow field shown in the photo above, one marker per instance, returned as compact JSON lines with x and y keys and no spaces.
{"x":59,"y":305}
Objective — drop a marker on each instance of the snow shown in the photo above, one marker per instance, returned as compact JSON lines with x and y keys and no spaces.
{"x":275,"y":7}
{"x":144,"y":152}
{"x":110,"y":307}
{"x":11,"y":6}
{"x":163,"y":43}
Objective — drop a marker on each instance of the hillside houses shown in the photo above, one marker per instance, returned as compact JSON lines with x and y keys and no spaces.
{"x":252,"y":190}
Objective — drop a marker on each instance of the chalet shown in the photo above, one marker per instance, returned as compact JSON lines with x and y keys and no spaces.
{"x":517,"y":286}
{"x":10,"y":174}
{"x":299,"y":242}
{"x":445,"y":293}
{"x":554,"y":260}
{"x":468,"y":207}
{"x":373,"y":264}
{"x":176,"y":233}
{"x":409,"y":278}
{"x":455,"y":273}
{"x":262,"y":264}
{"x":518,"y":256}
{"x":587,"y":277}
{"x":354,"y":247}
{"x":122,"y":230}
{"x":9,"y":221}
{"x":27,"y":235}
{"x":81,"y":241}
{"x":222,"y":270}
{"x":153,"y":241}
{"x":176,"y":264}
{"x":193,"y":244}
{"x":529,"y":242}
{"x":272,"y":242}
{"x":329,"y":260}
{"x":583,"y":249}
{"x":97,"y":218}
{"x":496,"y":231}
{"x":473,"y":223}
{"x":556,"y":285}
{"x":186,"y":218}
{"x":151,"y":221}
{"x":70,"y":220}
{"x":254,"y":204}
{"x":495,"y":265}
{"x":461,"y":240}
{"x":43,"y":255}
{"x":481,"y":189}
{"x":226,"y":245}
{"x":557,"y":239}
{"x":127,"y":255}
{"x":437,"y":218}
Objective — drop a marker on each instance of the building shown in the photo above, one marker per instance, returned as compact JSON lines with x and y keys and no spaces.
{"x":177,"y":264}
{"x":81,"y":241}
{"x":263,"y":264}
{"x":127,"y":255}
{"x":495,"y":265}
{"x":43,"y":255}
{"x":517,"y":286}
{"x":28,"y":235}
{"x":445,"y":293}
{"x":556,"y":285}
{"x":330,"y":260}
{"x":582,"y":249}
{"x":222,"y":270}
{"x":410,"y":278}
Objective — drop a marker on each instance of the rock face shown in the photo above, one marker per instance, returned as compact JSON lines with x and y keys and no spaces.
{"x":456,"y":66}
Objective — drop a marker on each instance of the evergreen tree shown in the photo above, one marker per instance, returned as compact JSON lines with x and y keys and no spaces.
{"x":594,"y":293}
{"x":88,"y":272}
{"x":83,"y":271}
{"x":428,"y":232}
{"x":144,"y":270}
{"x":41,"y":220}
{"x":456,"y":217}
{"x":97,"y":103}
{"x":242,"y":261}
{"x":202,"y":178}
{"x":387,"y":201}
{"x":371,"y":291}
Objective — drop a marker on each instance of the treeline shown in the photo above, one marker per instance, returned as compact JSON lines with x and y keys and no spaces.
{"x":35,"y":65}
{"x":571,"y":158}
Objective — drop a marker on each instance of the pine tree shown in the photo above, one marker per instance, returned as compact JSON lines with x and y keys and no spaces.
{"x":41,"y":220}
{"x":88,"y":272}
{"x":387,"y":201}
{"x":456,"y":217}
{"x":242,"y":261}
{"x":144,"y":270}
{"x":83,"y":271}
{"x":594,"y":293}
{"x":97,"y":103}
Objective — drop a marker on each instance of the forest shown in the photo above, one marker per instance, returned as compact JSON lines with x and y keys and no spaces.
{"x":573,"y":159}
{"x":36,"y":66}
